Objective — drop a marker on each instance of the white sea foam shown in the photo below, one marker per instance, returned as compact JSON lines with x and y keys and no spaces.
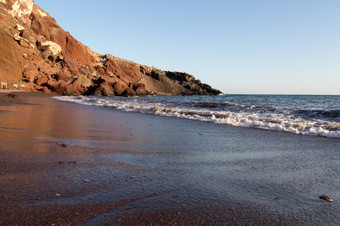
{"x":280,"y":118}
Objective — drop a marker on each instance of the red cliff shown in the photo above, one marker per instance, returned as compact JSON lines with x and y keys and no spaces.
{"x":38,"y":55}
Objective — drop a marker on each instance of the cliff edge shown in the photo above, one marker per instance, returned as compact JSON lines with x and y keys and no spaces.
{"x":38,"y":55}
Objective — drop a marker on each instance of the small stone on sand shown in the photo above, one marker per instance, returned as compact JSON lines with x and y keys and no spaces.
{"x":326,"y":198}
{"x":13,"y":95}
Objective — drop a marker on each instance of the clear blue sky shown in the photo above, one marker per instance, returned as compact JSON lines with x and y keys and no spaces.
{"x":237,"y":46}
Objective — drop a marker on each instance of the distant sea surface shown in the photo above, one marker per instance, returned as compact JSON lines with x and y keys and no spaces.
{"x":315,"y":115}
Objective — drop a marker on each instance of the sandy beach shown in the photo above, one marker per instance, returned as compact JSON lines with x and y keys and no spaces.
{"x":63,"y":163}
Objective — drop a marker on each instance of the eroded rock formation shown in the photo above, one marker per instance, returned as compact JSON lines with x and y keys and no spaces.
{"x":38,"y":55}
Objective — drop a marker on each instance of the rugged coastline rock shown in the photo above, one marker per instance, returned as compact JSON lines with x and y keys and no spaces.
{"x":38,"y":55}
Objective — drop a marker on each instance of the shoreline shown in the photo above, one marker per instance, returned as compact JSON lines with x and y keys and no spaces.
{"x":295,"y":118}
{"x":66,"y":163}
{"x":12,"y":91}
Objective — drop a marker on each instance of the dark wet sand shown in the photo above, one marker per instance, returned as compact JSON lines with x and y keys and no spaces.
{"x":62,"y":163}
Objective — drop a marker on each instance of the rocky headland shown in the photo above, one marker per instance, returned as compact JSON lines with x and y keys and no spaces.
{"x":36,"y":54}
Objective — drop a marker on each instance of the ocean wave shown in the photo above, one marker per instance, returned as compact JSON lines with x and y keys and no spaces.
{"x":331,"y":114}
{"x":296,"y":120}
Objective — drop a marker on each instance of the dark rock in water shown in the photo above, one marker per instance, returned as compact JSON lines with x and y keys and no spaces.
{"x":326,"y":198}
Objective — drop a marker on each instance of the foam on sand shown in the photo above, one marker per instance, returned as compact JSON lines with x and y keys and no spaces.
{"x":280,"y":118}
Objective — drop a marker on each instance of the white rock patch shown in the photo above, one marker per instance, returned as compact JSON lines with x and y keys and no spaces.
{"x":19,"y":27}
{"x":54,"y":47}
{"x":22,"y":7}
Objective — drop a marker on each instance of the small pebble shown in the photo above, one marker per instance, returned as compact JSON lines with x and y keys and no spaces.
{"x":13,"y":95}
{"x":57,"y":195}
{"x":86,"y":180}
{"x":326,"y":198}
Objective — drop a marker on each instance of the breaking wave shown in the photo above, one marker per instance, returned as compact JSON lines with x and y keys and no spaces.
{"x":306,"y":115}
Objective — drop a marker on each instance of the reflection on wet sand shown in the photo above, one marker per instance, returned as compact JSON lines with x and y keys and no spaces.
{"x":65,"y":163}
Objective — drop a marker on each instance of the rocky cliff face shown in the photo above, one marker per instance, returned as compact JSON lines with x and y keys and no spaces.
{"x":38,"y":55}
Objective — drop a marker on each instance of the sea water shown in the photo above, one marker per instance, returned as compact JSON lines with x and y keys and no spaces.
{"x":203,"y":163}
{"x":317,"y":115}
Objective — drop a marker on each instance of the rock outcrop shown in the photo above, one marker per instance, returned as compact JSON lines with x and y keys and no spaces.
{"x":38,"y":55}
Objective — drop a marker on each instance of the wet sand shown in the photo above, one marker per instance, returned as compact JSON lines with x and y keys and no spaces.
{"x":63,"y":163}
